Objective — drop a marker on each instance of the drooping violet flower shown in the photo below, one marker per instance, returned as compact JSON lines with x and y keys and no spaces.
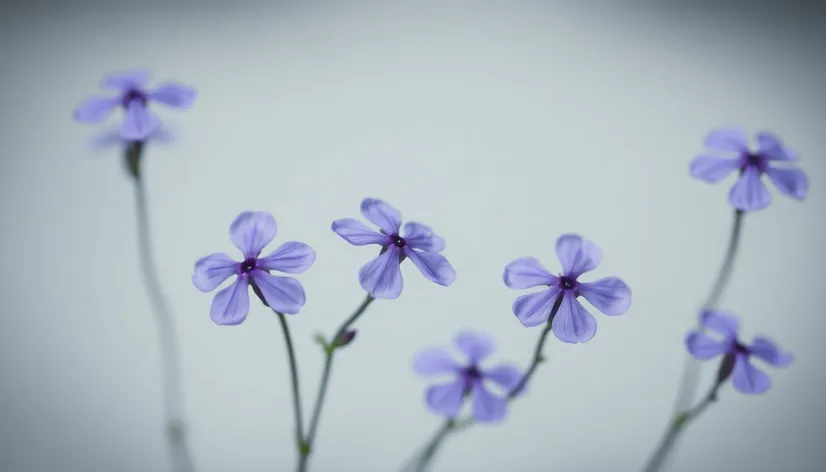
{"x":382,"y":277}
{"x":572,"y":322}
{"x":749,"y":193}
{"x":469,"y":379}
{"x":139,"y":122}
{"x":745,"y":377}
{"x":250,"y":233}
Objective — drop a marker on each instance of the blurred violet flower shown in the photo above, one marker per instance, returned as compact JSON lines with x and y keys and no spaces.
{"x":250,"y":233}
{"x":382,"y":277}
{"x":111,"y":138}
{"x":469,"y":379}
{"x":572,"y":322}
{"x":749,"y":193}
{"x":139,"y":122}
{"x":745,"y":377}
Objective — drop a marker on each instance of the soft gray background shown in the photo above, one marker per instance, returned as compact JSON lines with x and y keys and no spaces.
{"x":502,"y":126}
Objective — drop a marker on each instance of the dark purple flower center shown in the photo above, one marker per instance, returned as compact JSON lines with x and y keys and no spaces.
{"x":398,"y":241}
{"x":132,"y":95}
{"x":248,"y":265}
{"x":741,"y":349}
{"x":470,"y":374}
{"x":567,"y":283}
{"x":753,"y":160}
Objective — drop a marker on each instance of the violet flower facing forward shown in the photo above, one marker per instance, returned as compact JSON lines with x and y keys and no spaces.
{"x":572,"y":322}
{"x":468,"y":379}
{"x":250,"y":233}
{"x":139,"y":122}
{"x":382,"y":277}
{"x":745,"y":377}
{"x":749,"y":193}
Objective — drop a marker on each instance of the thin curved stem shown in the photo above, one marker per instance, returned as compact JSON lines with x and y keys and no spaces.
{"x":299,"y":418}
{"x":329,"y":350}
{"x":419,"y":462}
{"x":170,"y":353}
{"x":691,"y":368}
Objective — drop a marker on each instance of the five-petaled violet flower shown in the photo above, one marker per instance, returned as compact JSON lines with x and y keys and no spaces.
{"x":749,"y":193}
{"x":251,"y":232}
{"x":745,"y":377}
{"x":468,"y":379}
{"x":382,"y":277}
{"x":572,"y":322}
{"x":139,"y":122}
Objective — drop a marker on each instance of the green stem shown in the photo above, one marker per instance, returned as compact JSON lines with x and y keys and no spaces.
{"x":299,"y":419}
{"x":329,"y":351}
{"x":170,"y":353}
{"x":453,"y":426}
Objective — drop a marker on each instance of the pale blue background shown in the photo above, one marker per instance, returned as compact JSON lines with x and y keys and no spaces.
{"x":502,"y":125}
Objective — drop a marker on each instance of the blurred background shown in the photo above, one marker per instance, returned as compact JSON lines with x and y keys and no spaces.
{"x":502,"y":125}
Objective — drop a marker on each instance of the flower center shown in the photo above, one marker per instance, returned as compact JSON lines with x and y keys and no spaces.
{"x":740,"y":349}
{"x":132,"y":95}
{"x":398,"y":241}
{"x":753,"y":160}
{"x":568,"y":283}
{"x":470,"y":374}
{"x":248,"y":265}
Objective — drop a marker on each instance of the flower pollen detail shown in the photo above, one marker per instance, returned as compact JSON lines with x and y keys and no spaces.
{"x":572,"y":322}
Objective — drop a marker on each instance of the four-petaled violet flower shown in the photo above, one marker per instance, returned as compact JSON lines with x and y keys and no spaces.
{"x":251,"y":232}
{"x":572,"y":322}
{"x":749,"y":193}
{"x":745,"y":377}
{"x":382,"y":277}
{"x":139,"y":122}
{"x":468,"y":379}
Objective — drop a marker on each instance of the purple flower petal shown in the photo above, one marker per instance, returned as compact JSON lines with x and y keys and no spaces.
{"x":506,"y":376}
{"x":475,"y":346}
{"x":252,"y":231}
{"x":139,"y":123}
{"x":534,"y":309}
{"x":382,"y":277}
{"x":420,"y":236}
{"x":712,"y":169}
{"x":291,"y":257}
{"x":749,"y":193}
{"x":382,"y":215}
{"x":527,"y":272}
{"x":283,"y":294}
{"x":728,"y":139}
{"x":722,"y":322}
{"x":96,"y":109}
{"x":174,"y":95}
{"x":485,"y":406}
{"x":577,"y":255}
{"x":446,"y":399}
{"x":610,"y":295}
{"x":748,"y":379}
{"x":772,"y":148}
{"x":434,"y":361}
{"x":432,"y":265}
{"x":573,"y":323}
{"x":703,"y":346}
{"x":231,"y":305}
{"x":212,"y":270}
{"x":767,"y":350}
{"x":126,"y":80}
{"x":358,"y":234}
{"x":791,"y":182}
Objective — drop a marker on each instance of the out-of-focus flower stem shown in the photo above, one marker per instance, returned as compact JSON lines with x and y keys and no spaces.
{"x":691,"y":368}
{"x":329,"y":350}
{"x":170,"y":354}
{"x":420,"y":462}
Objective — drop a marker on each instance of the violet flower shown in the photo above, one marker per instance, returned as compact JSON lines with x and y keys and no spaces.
{"x":572,"y":322}
{"x":139,"y":122}
{"x":468,"y":379}
{"x":382,"y":277}
{"x":250,"y":233}
{"x":745,"y":377}
{"x":749,"y":193}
